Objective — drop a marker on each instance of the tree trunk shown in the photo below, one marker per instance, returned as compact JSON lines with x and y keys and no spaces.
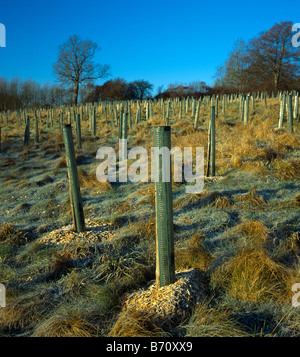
{"x":76,"y":90}
{"x":276,"y":78}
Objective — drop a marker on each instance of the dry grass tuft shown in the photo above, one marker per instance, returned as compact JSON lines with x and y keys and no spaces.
{"x":213,"y":322}
{"x":9,"y":234}
{"x":287,"y":169}
{"x":62,"y":163}
{"x":148,"y":193}
{"x":222,"y":202}
{"x":294,"y":202}
{"x":205,"y":198}
{"x":254,"y":167}
{"x":250,"y":234}
{"x":135,"y":324}
{"x":252,"y":197}
{"x":284,"y":142}
{"x":144,"y":229}
{"x":252,"y":276}
{"x":66,"y":324}
{"x":24,"y":311}
{"x":269,"y":154}
{"x":55,"y":143}
{"x":90,"y":181}
{"x":60,"y":261}
{"x":193,"y":254}
{"x":254,"y":230}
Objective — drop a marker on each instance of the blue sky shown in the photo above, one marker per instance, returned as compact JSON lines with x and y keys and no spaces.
{"x":160,"y":41}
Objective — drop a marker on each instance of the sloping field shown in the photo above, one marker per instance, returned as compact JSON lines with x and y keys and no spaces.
{"x":237,"y":242}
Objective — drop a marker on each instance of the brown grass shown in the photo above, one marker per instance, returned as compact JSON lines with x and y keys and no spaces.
{"x":144,"y":229}
{"x":62,"y":162}
{"x":254,"y":167}
{"x":148,"y":193}
{"x":254,"y":230}
{"x":135,"y":324}
{"x":66,"y":324}
{"x":193,"y":254}
{"x":9,"y":234}
{"x":24,"y":311}
{"x":252,"y":197}
{"x":55,"y":142}
{"x":252,"y":276}
{"x":205,"y":198}
{"x":287,"y":169}
{"x":214,"y":321}
{"x":90,"y":181}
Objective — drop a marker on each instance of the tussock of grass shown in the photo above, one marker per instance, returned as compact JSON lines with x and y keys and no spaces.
{"x":193,"y":254}
{"x":255,"y":168}
{"x":24,"y":311}
{"x":145,"y":229}
{"x":254,"y":230}
{"x":223,"y":201}
{"x":65,"y":323}
{"x":62,"y":162}
{"x":247,"y":234}
{"x":54,"y":144}
{"x":294,"y":202}
{"x":148,"y":194}
{"x":287,"y":248}
{"x":214,"y":321}
{"x":252,"y":197}
{"x":252,"y":276}
{"x":60,"y":262}
{"x":135,"y":324}
{"x":9,"y":234}
{"x":269,"y":154}
{"x":287,"y":169}
{"x":90,"y":181}
{"x":205,"y":198}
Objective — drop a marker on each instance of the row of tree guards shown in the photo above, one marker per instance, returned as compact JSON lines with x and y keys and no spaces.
{"x":114,"y":111}
{"x":119,"y":112}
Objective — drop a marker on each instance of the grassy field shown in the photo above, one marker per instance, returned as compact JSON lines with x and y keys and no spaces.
{"x":242,"y":231}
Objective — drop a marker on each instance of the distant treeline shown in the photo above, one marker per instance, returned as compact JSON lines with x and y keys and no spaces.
{"x":17,"y":94}
{"x":118,"y":89}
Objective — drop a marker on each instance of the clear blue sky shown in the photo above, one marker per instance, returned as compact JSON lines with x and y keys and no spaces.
{"x":160,"y":41}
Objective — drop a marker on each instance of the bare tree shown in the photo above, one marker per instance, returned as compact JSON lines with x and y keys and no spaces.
{"x":272,"y":55}
{"x":75,"y":64}
{"x":140,"y":89}
{"x":235,"y":66}
{"x":231,"y":74}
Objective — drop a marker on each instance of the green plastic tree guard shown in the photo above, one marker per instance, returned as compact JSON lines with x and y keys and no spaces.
{"x":76,"y":200}
{"x":165,"y":266}
{"x":212,"y":142}
{"x":78,"y":131}
{"x":290,"y":112}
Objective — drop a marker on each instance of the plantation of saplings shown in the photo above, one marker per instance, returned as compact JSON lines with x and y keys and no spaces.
{"x":84,"y":258}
